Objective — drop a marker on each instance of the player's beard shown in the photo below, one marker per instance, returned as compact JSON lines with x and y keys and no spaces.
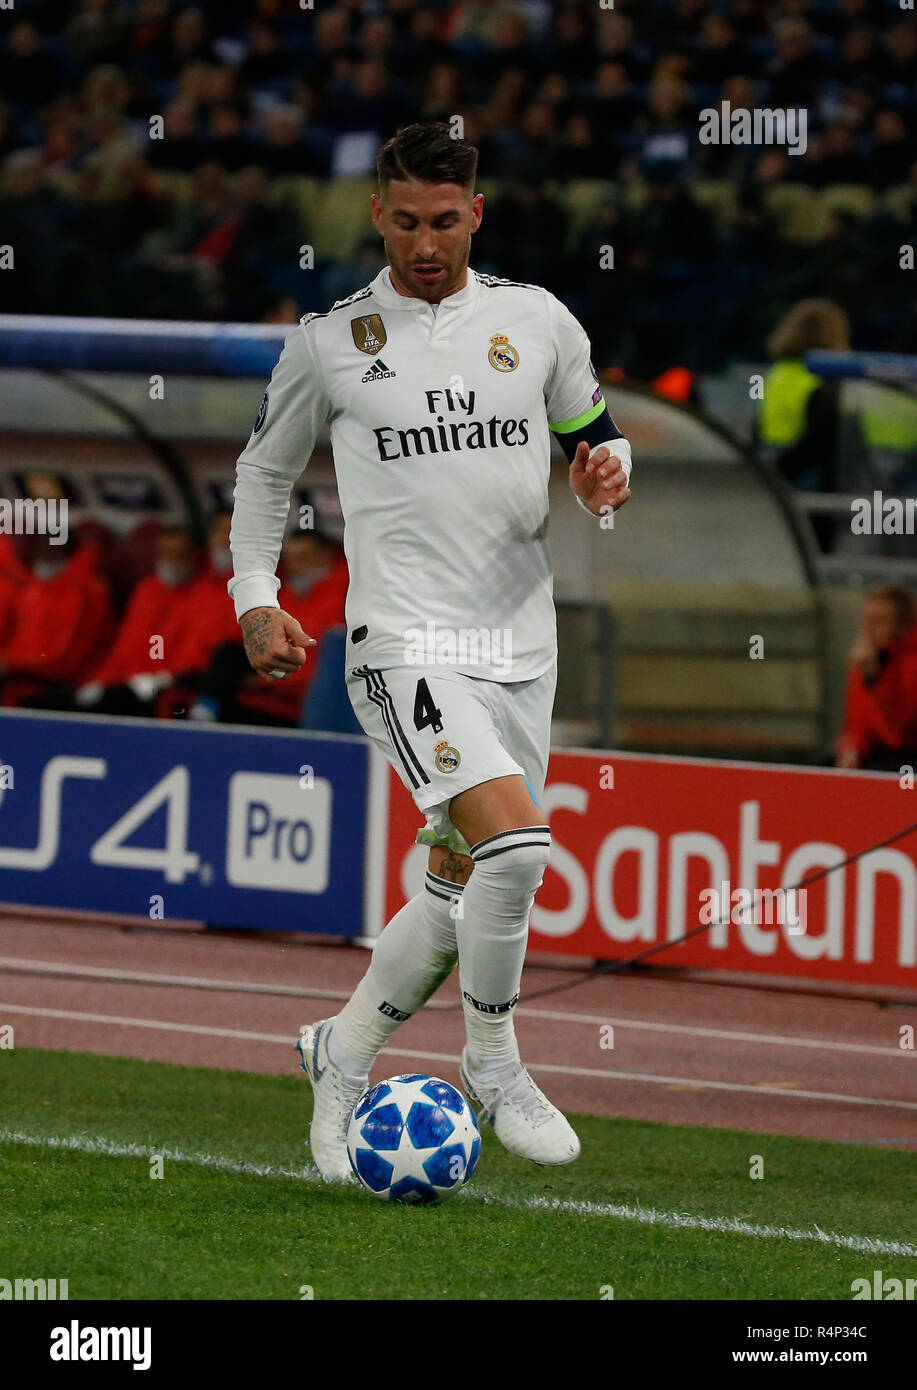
{"x":451,"y":280}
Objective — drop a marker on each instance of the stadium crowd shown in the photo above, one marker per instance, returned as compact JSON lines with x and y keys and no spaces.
{"x":150,"y":152}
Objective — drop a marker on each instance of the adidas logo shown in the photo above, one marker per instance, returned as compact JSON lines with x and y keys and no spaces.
{"x":378,"y":372}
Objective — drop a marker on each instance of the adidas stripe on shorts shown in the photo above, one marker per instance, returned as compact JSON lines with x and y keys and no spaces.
{"x":444,"y":732}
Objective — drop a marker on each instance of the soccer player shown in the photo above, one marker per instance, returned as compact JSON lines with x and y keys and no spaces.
{"x":440,"y":386}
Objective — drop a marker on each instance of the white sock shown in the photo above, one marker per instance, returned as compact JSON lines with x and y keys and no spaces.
{"x":492,"y":931}
{"x":413,"y":956}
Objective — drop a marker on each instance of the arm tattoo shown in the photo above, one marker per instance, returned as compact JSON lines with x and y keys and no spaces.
{"x":256,"y":631}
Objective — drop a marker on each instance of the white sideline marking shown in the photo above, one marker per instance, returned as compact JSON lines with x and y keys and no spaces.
{"x":647,"y":1078}
{"x":647,"y":1216}
{"x":16,"y":965}
{"x":727,"y":1034}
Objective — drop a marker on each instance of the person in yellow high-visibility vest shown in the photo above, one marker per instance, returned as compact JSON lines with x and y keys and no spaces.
{"x":798,"y":414}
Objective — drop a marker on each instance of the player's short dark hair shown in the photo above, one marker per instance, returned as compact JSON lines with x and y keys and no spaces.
{"x":900,"y":596}
{"x":427,"y":151}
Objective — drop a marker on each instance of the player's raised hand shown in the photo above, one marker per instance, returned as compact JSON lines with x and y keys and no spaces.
{"x":599,"y":481}
{"x":275,"y":644}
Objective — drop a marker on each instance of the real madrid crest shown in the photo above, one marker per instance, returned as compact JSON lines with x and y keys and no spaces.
{"x":502,"y":354}
{"x":447,"y":759}
{"x":368,"y":333}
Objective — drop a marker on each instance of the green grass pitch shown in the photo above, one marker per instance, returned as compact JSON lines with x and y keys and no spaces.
{"x":212,"y":1227}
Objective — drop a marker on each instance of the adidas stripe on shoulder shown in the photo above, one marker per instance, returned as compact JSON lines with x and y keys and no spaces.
{"x":498,"y":282}
{"x":339,"y":304}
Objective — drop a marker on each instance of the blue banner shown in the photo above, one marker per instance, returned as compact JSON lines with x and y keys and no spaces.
{"x":222,"y":825}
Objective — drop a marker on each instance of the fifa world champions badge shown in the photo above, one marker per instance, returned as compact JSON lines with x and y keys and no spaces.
{"x":502,"y":354}
{"x":369,"y":333}
{"x":447,"y":759}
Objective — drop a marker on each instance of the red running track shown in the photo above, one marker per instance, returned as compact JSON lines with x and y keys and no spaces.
{"x":684,"y":1052}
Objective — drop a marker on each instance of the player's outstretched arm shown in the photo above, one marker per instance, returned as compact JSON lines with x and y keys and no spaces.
{"x":274,"y":642}
{"x":598,"y":480}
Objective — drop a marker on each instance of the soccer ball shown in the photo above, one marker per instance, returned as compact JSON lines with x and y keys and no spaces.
{"x":413,"y":1138}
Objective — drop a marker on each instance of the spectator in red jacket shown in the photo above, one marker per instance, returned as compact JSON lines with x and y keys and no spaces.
{"x":13,"y":575}
{"x":61,"y":619}
{"x":880,"y":723}
{"x":127,"y":680}
{"x":209,"y":618}
{"x":313,"y":590}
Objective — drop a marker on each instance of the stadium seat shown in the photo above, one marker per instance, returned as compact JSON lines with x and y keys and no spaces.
{"x":177,"y":187}
{"x":92,"y":532}
{"x":97,"y":535}
{"x":327,"y":706}
{"x":341,"y":217}
{"x":634,"y":195}
{"x":491,"y":188}
{"x":900,"y":201}
{"x":856,"y":198}
{"x":581,"y":197}
{"x":795,"y":208}
{"x":132,"y":559}
{"x":303,"y":194}
{"x":718,"y":197}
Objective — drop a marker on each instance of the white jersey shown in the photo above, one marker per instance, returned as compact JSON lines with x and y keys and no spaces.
{"x":439,"y":425}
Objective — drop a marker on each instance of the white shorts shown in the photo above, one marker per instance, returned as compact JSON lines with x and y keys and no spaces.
{"x":444,"y":732}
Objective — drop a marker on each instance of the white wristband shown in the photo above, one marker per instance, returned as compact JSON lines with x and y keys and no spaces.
{"x":620,"y":447}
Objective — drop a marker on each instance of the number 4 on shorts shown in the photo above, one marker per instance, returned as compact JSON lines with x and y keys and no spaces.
{"x":425,"y":712}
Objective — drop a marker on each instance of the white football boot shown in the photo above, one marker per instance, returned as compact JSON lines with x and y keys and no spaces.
{"x":523,"y":1119}
{"x":334,"y":1096}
